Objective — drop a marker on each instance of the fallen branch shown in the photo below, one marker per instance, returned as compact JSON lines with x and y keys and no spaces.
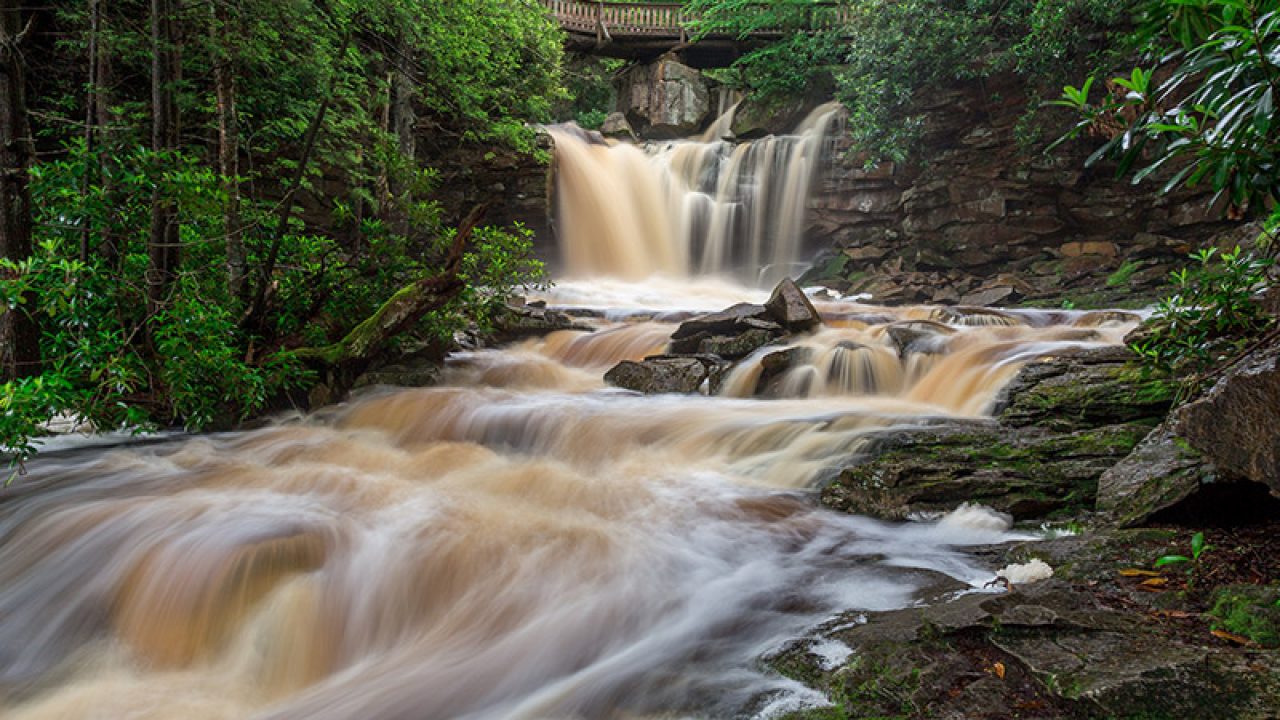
{"x":401,"y":311}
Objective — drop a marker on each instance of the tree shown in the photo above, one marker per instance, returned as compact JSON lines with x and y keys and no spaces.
{"x":1203,"y":112}
{"x":165,"y":242}
{"x":19,"y":336}
{"x":885,"y":57}
{"x":301,"y":164}
{"x":1212,"y":118}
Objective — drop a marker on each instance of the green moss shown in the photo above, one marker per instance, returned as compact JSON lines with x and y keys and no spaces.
{"x":1123,"y":273}
{"x":1250,"y":611}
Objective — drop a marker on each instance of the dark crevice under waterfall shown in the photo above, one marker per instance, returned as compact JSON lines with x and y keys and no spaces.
{"x":521,"y":541}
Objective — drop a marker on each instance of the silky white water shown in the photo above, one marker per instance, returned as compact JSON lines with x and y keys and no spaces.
{"x":520,"y":542}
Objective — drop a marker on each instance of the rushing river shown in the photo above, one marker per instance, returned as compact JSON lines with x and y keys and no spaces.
{"x":519,"y":542}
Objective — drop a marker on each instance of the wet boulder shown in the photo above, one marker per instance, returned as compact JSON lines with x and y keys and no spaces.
{"x":920,"y":336}
{"x":660,"y":374}
{"x":1028,"y":474}
{"x":791,"y":308}
{"x":736,"y":347}
{"x":517,"y":322}
{"x":1159,"y":474}
{"x":1047,"y":648}
{"x":1080,"y":389}
{"x":732,"y":333}
{"x":1235,"y":423}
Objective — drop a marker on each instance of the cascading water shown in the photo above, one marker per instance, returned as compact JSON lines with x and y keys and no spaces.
{"x":519,"y":542}
{"x":689,"y":207}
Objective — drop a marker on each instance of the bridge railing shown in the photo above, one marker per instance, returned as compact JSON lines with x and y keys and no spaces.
{"x":659,"y":19}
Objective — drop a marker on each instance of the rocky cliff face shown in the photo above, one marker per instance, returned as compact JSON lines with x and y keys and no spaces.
{"x":516,"y":187}
{"x":980,"y":221}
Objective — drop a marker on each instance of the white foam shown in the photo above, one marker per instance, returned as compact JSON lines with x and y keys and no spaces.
{"x":831,"y":653}
{"x":1029,"y":572}
{"x":977,"y":517}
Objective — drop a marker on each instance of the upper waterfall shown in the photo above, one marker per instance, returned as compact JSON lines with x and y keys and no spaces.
{"x":687,"y":207}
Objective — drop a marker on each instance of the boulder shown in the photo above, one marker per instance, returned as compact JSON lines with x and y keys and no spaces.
{"x":1045,"y":650}
{"x":1160,"y":473}
{"x":664,"y":99}
{"x":737,"y":317}
{"x":1027,"y":474}
{"x":731,"y":333}
{"x":524,"y":321}
{"x":1236,"y":424}
{"x":791,"y":308}
{"x":919,"y":336}
{"x":734,"y":347}
{"x":1080,"y":389}
{"x":616,"y":126}
{"x":656,"y":375}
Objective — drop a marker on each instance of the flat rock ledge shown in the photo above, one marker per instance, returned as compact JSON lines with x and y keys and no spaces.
{"x":1059,"y":426}
{"x":1046,"y":650}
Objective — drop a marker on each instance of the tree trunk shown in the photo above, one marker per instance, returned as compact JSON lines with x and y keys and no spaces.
{"x":229,"y":153}
{"x":163,"y":245}
{"x":19,"y":336}
{"x":404,"y":122}
{"x":101,"y":120}
{"x":256,"y":315}
{"x":398,"y":313}
{"x":90,"y":116}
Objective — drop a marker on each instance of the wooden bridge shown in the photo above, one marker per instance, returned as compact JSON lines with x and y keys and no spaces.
{"x":641,"y":30}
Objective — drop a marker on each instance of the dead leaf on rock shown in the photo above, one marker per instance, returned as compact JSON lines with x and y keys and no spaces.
{"x":1155,"y":582}
{"x":1135,"y":572}
{"x":1232,"y":637}
{"x":997,"y":669}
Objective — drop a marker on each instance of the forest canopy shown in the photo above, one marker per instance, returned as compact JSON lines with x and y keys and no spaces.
{"x":214,"y":186}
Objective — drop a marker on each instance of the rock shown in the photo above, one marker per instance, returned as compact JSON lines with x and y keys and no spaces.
{"x":1050,"y":649}
{"x":988,"y":296}
{"x":790,"y":307}
{"x":921,"y":336}
{"x":775,"y":365}
{"x":1016,"y":471}
{"x":732,"y":333}
{"x":862,"y":254}
{"x":1157,"y":475}
{"x":724,"y":321}
{"x":401,"y":375}
{"x":524,"y":321}
{"x":656,"y":375}
{"x":664,"y":99}
{"x":1236,"y":423}
{"x":1080,"y":389}
{"x":616,"y":126}
{"x":734,"y":347}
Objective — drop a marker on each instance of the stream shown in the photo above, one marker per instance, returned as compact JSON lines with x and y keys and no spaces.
{"x":522,"y":540}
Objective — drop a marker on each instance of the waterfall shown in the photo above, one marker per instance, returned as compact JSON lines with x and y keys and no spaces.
{"x":522,"y":541}
{"x":707,"y":206}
